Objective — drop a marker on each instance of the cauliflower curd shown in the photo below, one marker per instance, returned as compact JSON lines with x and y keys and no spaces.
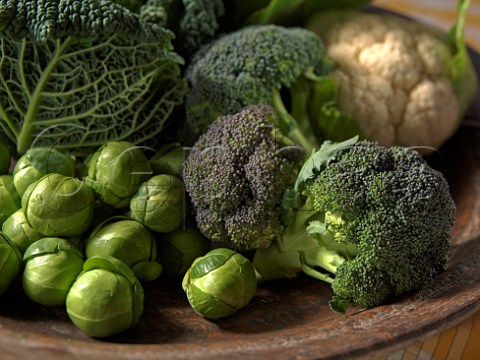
{"x":394,"y":77}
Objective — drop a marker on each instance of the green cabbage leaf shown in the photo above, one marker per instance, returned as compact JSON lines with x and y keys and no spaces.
{"x":76,"y":74}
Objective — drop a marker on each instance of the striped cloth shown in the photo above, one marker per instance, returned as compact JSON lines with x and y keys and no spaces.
{"x":461,"y":341}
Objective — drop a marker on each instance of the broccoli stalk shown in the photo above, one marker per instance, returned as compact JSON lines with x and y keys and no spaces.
{"x":373,"y":222}
{"x":297,"y":250}
{"x":289,"y":125}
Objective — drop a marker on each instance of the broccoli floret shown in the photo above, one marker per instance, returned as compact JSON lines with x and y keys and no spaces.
{"x":236,"y":174}
{"x":257,"y":65}
{"x":377,"y":219}
{"x":194,"y":22}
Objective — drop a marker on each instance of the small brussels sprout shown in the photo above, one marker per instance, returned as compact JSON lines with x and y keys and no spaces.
{"x":106,"y":299}
{"x":115,"y":172}
{"x":10,"y":201}
{"x":169,"y":160}
{"x":10,"y":263}
{"x":19,"y":231}
{"x":220,"y":283}
{"x":160,"y":203}
{"x":58,"y":205}
{"x":38,"y":162}
{"x":128,"y":241}
{"x":180,"y":248}
{"x":51,"y":266}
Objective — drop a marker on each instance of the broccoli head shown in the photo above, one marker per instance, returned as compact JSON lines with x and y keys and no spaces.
{"x":260,"y":64}
{"x":377,"y":219}
{"x":194,"y":22}
{"x":236,"y":174}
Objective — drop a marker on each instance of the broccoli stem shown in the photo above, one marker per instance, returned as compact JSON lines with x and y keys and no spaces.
{"x":289,"y":125}
{"x":298,"y":251}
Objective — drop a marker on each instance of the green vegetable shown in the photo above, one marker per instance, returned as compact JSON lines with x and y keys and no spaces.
{"x":236,"y":174}
{"x":220,"y":283}
{"x":17,"y":229}
{"x":38,"y":162}
{"x":106,"y":299}
{"x":51,"y":266}
{"x":116,"y":171}
{"x":77,"y":84}
{"x":160,"y":203}
{"x":260,"y":65}
{"x":9,"y":199}
{"x":377,"y":220}
{"x":169,"y":160}
{"x":194,"y":22}
{"x":128,"y":241}
{"x":10,"y":263}
{"x":58,"y":206}
{"x":179,"y":248}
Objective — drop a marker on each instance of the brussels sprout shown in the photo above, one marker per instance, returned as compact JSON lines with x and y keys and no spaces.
{"x":169,"y":160}
{"x":128,"y":241}
{"x":19,"y":231}
{"x":38,"y":162}
{"x":106,"y":298}
{"x":115,"y":172}
{"x":58,"y":205}
{"x":180,"y":248}
{"x":220,"y":283}
{"x":51,"y":266}
{"x":10,"y":263}
{"x":159,"y":203}
{"x":9,"y":199}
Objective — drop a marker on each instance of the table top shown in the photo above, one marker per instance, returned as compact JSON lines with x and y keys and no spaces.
{"x":463,"y":340}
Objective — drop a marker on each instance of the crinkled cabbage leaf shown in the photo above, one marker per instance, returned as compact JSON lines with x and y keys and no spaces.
{"x":76,"y":74}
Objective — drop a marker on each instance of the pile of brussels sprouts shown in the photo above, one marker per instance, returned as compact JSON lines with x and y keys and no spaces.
{"x":87,"y":236}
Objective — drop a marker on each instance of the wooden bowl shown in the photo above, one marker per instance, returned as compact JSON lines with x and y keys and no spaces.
{"x":288,"y":318}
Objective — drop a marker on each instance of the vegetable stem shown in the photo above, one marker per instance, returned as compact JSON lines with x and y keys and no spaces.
{"x":26,"y":132}
{"x":289,"y":125}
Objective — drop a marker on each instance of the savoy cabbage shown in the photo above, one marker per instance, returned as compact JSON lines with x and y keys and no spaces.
{"x":75,"y":74}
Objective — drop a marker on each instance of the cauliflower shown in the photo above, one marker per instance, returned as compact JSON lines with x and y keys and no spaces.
{"x":398,"y":79}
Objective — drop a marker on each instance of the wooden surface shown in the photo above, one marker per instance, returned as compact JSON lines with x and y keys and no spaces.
{"x":286,"y":319}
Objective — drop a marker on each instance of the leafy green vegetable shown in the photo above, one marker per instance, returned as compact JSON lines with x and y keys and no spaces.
{"x":220,"y":283}
{"x":78,"y":84}
{"x":106,"y":298}
{"x":51,"y":266}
